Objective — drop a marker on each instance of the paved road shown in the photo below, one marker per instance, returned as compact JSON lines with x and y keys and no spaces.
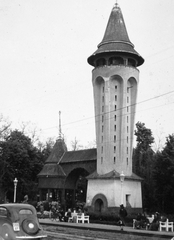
{"x":63,"y":233}
{"x":101,"y":231}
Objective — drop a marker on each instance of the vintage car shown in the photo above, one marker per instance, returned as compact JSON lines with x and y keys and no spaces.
{"x":19,"y":221}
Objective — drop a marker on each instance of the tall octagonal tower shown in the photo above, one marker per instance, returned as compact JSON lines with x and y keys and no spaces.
{"x":115,"y":80}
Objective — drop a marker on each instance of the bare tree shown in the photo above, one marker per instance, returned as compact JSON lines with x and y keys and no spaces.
{"x":75,"y":145}
{"x":31,"y":130}
{"x":4,"y":127}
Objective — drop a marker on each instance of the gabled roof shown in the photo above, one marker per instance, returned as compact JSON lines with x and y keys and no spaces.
{"x":116,"y":38}
{"x":80,"y":155}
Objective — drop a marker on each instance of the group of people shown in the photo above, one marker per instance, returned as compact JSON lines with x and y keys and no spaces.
{"x":142,"y":221}
{"x":56,"y":212}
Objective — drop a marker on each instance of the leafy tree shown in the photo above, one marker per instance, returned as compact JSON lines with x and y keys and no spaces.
{"x":20,"y":159}
{"x":46,"y":148}
{"x":143,"y":161}
{"x":163,"y":176}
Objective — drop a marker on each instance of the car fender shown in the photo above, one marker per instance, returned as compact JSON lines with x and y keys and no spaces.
{"x":7,"y":232}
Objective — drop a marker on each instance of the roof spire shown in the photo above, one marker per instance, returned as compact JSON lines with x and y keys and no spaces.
{"x":116,"y":39}
{"x":60,"y":131}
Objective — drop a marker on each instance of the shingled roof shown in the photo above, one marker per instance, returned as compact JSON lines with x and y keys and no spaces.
{"x":80,"y":155}
{"x":116,"y":39}
{"x":52,"y":170}
{"x":113,"y":174}
{"x":58,"y":150}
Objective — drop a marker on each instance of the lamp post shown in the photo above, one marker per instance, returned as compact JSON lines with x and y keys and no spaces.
{"x":122,"y":176}
{"x":15,"y":186}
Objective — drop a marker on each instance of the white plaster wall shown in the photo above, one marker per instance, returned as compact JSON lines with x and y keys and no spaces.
{"x":105,"y":162}
{"x":111,"y":188}
{"x":134,"y":189}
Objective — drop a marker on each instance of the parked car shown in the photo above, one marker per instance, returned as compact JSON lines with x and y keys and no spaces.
{"x":19,"y":221}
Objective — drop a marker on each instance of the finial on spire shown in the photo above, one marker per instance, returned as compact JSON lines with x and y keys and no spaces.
{"x":116,"y":3}
{"x":60,"y":132}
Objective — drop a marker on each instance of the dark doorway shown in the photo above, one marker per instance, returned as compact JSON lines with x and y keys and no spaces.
{"x":76,"y":188}
{"x":98,"y":205}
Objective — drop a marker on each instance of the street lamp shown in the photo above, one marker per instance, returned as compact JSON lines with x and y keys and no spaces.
{"x":122,"y":176}
{"x":15,"y":186}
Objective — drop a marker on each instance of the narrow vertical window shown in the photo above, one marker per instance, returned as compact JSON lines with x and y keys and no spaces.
{"x":115,"y":128}
{"x":115,"y":117}
{"x":127,"y":161}
{"x":115,"y":97}
{"x":101,"y":160}
{"x":127,"y":109}
{"x":103,"y":98}
{"x":114,"y":149}
{"x":127,"y":129}
{"x":102,"y":118}
{"x":115,"y":107}
{"x":102,"y":139}
{"x":127,"y":99}
{"x":127,"y":139}
{"x":102,"y":108}
{"x":102,"y":128}
{"x":102,"y":149}
{"x":127,"y":150}
{"x":114,"y":160}
{"x":103,"y":89}
{"x":127,"y":119}
{"x":114,"y":138}
{"x":115,"y":87}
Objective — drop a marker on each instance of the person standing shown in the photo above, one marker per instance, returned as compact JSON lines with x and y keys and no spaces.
{"x":122,"y":215}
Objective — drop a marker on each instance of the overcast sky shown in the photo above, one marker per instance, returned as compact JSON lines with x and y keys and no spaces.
{"x":44,"y":46}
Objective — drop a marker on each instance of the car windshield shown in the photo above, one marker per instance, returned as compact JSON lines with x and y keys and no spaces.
{"x":25,"y":211}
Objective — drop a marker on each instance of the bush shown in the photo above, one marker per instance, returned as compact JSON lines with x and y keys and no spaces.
{"x":105,"y":218}
{"x":109,"y":218}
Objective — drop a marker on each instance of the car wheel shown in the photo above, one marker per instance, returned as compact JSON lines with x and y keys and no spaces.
{"x":30,"y":227}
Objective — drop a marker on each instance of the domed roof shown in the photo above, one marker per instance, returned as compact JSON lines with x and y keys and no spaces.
{"x":116,"y":39}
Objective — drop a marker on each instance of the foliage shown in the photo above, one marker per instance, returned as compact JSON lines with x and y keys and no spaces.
{"x":47,"y":148}
{"x":163,"y":176}
{"x":20,"y":159}
{"x":143,"y":161}
{"x":144,"y":137}
{"x":156,"y":169}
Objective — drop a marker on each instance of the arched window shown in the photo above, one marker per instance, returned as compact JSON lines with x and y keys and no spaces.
{"x":116,"y":61}
{"x":100,"y":62}
{"x":131,"y":62}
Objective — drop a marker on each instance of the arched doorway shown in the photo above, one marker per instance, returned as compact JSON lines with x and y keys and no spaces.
{"x":99,"y":203}
{"x":98,"y":206}
{"x":76,"y":188}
